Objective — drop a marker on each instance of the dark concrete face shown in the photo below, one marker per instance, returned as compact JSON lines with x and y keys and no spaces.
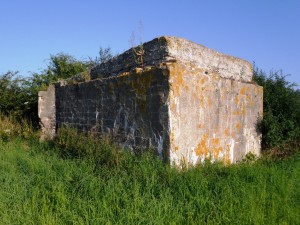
{"x":131,"y":108}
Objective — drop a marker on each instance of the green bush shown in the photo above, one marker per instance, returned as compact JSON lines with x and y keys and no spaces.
{"x":19,"y":95}
{"x":16,"y":96}
{"x":281,"y":115}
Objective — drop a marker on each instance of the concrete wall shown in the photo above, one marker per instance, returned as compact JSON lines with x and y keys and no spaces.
{"x":47,"y":112}
{"x":186,"y":101}
{"x":130,"y":108}
{"x":212,"y":117}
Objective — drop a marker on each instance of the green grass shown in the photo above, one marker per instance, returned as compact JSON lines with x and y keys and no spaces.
{"x":40,"y":186}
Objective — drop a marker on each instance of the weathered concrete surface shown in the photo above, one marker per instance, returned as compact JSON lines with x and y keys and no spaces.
{"x":168,"y":49}
{"x":47,"y":112}
{"x":211,"y":117}
{"x":131,"y":108}
{"x":184,"y":100}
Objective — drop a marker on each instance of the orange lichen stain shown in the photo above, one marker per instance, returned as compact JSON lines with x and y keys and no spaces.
{"x":186,"y":88}
{"x":195,"y":95}
{"x":124,"y":74}
{"x":233,"y":134}
{"x":208,"y":102}
{"x":255,"y":91}
{"x":243,"y":110}
{"x":251,"y":103}
{"x":174,"y":105}
{"x":215,"y":141}
{"x":226,"y":132}
{"x":172,"y":137}
{"x":216,"y":152}
{"x":239,"y":126}
{"x":197,"y":88}
{"x":201,"y":100}
{"x":243,"y":91}
{"x":202,"y":81}
{"x":176,"y":73}
{"x":236,"y":112}
{"x":215,"y":147}
{"x":237,"y":99}
{"x":223,"y":95}
{"x":202,"y":148}
{"x":227,"y":160}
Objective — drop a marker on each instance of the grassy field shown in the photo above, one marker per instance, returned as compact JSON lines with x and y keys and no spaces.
{"x":40,"y":186}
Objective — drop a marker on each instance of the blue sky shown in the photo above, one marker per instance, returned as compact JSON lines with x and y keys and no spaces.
{"x":264,"y":31}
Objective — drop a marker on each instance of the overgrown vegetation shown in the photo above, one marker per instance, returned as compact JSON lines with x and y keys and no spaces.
{"x":77,"y":179}
{"x":10,"y":128}
{"x":19,"y":95}
{"x":56,"y":183}
{"x":281,"y":117}
{"x":16,"y":96}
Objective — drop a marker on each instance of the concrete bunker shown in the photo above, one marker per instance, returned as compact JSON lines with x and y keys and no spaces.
{"x":186,"y":101}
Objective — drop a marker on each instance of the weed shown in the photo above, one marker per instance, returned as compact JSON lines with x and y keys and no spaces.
{"x":138,"y":52}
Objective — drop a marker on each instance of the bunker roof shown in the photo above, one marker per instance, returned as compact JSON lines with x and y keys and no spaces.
{"x":172,"y":49}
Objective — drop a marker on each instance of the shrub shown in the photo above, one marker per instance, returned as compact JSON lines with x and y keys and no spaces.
{"x":281,"y":115}
{"x":15,"y":96}
{"x":19,"y":95}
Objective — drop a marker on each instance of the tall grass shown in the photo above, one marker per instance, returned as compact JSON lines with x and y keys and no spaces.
{"x":10,"y":128}
{"x":42,"y":184}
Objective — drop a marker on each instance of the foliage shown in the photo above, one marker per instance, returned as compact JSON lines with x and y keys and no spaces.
{"x":19,"y":95}
{"x":105,"y":54}
{"x":61,"y":66}
{"x":10,"y":128}
{"x":16,"y":96}
{"x":281,"y":117}
{"x":39,"y":186}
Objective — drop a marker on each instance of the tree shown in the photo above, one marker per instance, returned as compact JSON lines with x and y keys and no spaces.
{"x":281,"y":115}
{"x":15,"y":95}
{"x":19,"y":96}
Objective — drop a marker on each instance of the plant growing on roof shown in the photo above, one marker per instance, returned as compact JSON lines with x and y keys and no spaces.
{"x":138,"y":51}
